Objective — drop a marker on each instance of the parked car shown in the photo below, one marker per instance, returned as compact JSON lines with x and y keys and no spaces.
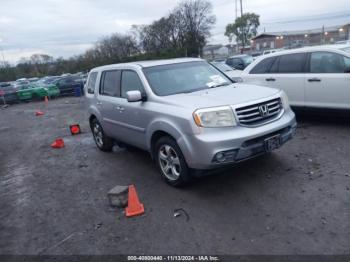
{"x":67,"y":85}
{"x":219,"y":60}
{"x":271,"y":51}
{"x":255,"y":55}
{"x":343,"y":42}
{"x":33,"y":79}
{"x":312,"y":77}
{"x":227,"y":70}
{"x":186,"y":114}
{"x":35,"y":91}
{"x":8,"y":92}
{"x":48,"y":80}
{"x":239,"y":61}
{"x":21,"y":83}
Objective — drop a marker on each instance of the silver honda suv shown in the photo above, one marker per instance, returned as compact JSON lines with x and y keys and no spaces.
{"x":186,"y":113}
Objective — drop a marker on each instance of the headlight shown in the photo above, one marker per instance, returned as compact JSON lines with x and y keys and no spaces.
{"x":214,"y":117}
{"x":285,"y":100}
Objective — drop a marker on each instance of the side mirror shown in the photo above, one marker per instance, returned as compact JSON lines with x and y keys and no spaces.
{"x":134,"y":96}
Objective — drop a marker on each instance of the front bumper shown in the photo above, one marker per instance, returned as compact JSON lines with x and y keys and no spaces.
{"x":240,"y":143}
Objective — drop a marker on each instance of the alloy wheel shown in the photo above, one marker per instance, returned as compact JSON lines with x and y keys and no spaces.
{"x":169,"y":162}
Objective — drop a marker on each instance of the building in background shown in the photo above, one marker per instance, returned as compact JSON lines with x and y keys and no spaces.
{"x":218,"y":51}
{"x":294,"y":39}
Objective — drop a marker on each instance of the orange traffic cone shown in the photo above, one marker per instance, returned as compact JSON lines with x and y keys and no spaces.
{"x":46,"y":100}
{"x":59,"y":143}
{"x":134,"y":207}
{"x":74,"y":129}
{"x":39,"y":113}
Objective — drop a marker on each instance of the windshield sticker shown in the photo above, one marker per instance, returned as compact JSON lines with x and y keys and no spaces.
{"x":217,"y":79}
{"x":211,"y":84}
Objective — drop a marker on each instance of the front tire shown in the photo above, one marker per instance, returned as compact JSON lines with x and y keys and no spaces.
{"x":171,"y":162}
{"x":103,"y":142}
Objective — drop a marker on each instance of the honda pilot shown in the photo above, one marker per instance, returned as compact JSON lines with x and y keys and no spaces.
{"x":186,"y":113}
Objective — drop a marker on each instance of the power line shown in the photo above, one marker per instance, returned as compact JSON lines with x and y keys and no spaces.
{"x":312,"y":18}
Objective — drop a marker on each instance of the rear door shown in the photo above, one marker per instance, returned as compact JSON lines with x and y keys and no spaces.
{"x":327,"y":84}
{"x":108,"y":103}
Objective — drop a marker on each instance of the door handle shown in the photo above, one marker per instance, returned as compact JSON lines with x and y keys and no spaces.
{"x":314,"y":80}
{"x":99,"y":103}
{"x":270,"y":79}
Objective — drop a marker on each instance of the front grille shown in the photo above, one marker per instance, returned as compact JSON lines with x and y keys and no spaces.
{"x":259,"y":113}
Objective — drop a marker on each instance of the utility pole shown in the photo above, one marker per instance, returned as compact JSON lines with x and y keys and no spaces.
{"x":236,"y":9}
{"x":241,"y":7}
{"x":322,"y":36}
{"x":242,"y":28}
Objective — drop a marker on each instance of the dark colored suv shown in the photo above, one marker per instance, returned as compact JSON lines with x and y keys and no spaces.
{"x":68,"y":85}
{"x":239,"y":61}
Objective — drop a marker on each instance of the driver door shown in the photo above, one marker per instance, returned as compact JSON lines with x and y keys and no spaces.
{"x":134,"y":115}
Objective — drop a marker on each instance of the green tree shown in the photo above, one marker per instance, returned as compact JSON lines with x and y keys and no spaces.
{"x":244,"y":28}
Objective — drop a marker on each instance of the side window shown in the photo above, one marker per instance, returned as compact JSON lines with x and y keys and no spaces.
{"x":91,"y":83}
{"x":327,"y":62}
{"x":229,"y":61}
{"x":347,"y":64}
{"x":130,"y":81}
{"x":292,"y":63}
{"x":263,"y":67}
{"x":110,"y":83}
{"x":62,"y":82}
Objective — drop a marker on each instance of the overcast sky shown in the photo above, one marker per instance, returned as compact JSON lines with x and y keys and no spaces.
{"x":69,"y":27}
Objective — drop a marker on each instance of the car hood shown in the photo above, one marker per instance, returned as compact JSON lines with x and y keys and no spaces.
{"x":220,"y":96}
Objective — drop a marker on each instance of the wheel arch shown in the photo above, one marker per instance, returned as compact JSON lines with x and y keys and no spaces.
{"x":162,"y":128}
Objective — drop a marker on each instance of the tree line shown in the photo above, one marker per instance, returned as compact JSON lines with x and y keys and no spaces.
{"x":183,"y":32}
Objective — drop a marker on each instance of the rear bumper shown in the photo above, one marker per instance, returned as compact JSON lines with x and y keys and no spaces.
{"x":238,"y":143}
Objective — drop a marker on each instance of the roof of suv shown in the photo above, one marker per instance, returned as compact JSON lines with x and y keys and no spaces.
{"x":151,"y":63}
{"x":241,"y":55}
{"x":308,"y":49}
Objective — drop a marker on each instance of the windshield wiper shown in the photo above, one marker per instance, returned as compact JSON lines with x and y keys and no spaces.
{"x":218,"y":85}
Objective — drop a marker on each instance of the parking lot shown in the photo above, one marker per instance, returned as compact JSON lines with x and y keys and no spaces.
{"x":54,"y":201}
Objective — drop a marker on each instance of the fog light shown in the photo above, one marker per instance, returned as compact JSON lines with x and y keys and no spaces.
{"x":220,"y":157}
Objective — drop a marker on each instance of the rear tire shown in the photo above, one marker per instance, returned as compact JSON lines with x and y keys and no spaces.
{"x":103,"y":142}
{"x":171,"y":162}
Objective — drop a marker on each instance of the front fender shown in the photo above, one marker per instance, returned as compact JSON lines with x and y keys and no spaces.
{"x":171,"y":128}
{"x":164,"y":126}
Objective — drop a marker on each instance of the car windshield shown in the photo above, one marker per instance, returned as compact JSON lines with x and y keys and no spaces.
{"x":247,"y":60}
{"x":184,"y":78}
{"x":223,"y":67}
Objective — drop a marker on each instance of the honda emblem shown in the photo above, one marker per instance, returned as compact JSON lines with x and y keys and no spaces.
{"x":264,"y":110}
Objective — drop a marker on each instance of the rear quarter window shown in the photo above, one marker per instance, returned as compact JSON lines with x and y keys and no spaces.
{"x":91,"y":83}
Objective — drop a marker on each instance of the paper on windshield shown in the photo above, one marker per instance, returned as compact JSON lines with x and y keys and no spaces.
{"x":216,"y":80}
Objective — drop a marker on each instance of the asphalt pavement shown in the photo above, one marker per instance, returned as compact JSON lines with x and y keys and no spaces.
{"x":54,"y":201}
